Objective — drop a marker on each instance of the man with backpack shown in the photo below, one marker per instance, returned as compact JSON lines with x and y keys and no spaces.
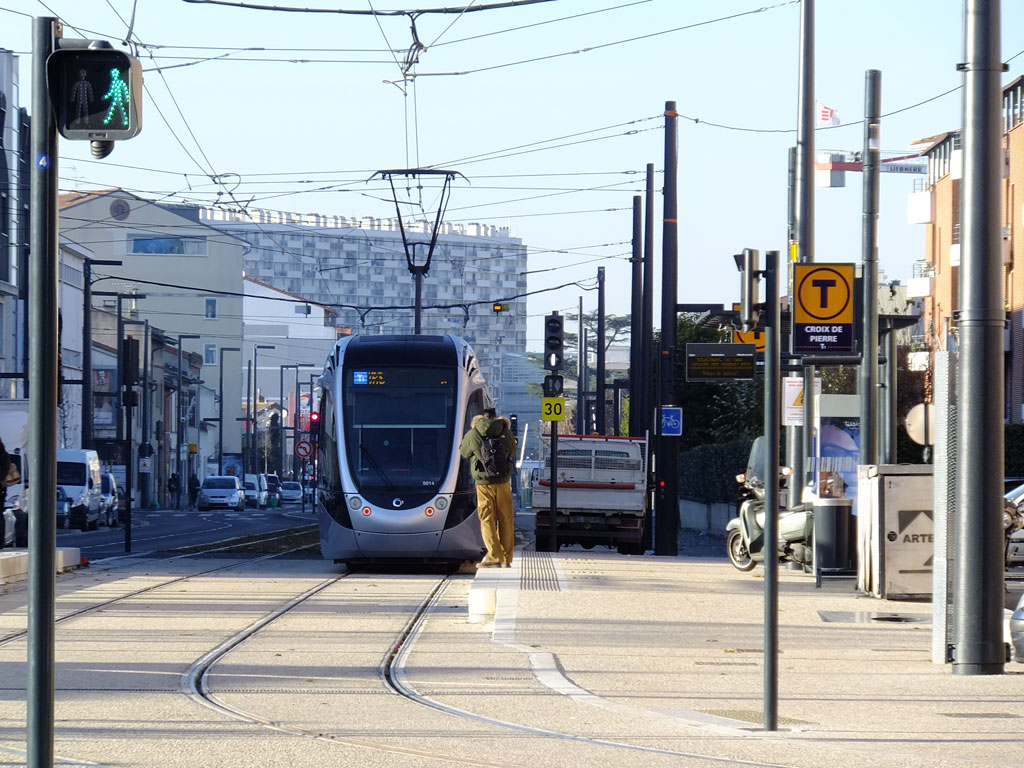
{"x":491,"y":449}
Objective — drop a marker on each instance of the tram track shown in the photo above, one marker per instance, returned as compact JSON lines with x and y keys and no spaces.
{"x":392,"y":673}
{"x":15,"y":636}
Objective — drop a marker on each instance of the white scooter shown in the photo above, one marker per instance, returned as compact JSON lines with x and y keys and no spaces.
{"x":745,"y":538}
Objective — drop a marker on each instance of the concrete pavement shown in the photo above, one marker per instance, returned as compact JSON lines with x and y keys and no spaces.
{"x":591,"y":659}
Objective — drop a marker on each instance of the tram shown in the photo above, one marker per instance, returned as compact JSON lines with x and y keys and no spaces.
{"x":391,"y":484}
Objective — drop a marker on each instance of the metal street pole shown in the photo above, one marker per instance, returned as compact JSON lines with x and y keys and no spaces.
{"x":636,"y":322}
{"x":772,"y":411}
{"x":647,"y":352}
{"x":43,"y":375}
{"x":869,"y":272}
{"x":282,"y":453}
{"x":581,"y":375}
{"x":256,"y":403}
{"x":600,"y":407}
{"x":978,"y":577}
{"x":88,"y":406}
{"x":179,"y":421}
{"x":247,"y":448}
{"x":803,"y":201}
{"x":220,"y":422}
{"x":666,"y":540}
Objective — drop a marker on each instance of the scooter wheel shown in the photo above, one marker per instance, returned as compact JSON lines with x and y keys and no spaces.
{"x":737,"y":550}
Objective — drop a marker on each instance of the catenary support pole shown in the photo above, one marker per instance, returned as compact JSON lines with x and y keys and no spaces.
{"x":666,"y":539}
{"x":772,"y":408}
{"x":646,"y":409}
{"x":794,"y":433}
{"x":636,"y":322}
{"x":978,"y":576}
{"x":600,"y":408}
{"x":803,"y":196}
{"x":43,"y":376}
{"x":581,"y":374}
{"x":869,"y":272}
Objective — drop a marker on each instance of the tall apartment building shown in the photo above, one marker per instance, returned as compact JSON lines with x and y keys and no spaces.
{"x":937,"y":275}
{"x":358,"y":268}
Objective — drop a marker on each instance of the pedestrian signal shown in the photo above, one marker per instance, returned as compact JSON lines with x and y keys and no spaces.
{"x":96,"y":92}
{"x":553,"y":341}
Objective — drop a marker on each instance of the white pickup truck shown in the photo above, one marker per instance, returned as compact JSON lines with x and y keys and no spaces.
{"x":602,"y":493}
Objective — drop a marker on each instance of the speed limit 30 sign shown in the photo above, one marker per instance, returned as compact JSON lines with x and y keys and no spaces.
{"x":552,"y":408}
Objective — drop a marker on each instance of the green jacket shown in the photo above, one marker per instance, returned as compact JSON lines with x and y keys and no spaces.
{"x":473,"y":441}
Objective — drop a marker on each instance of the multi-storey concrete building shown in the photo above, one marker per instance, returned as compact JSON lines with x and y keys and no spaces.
{"x":937,"y":206}
{"x":358,"y":268}
{"x":13,"y":226}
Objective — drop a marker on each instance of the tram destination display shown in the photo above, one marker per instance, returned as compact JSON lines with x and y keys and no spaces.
{"x":720,"y":362}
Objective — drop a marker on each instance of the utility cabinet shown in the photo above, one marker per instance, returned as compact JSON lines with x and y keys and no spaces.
{"x":895,"y":530}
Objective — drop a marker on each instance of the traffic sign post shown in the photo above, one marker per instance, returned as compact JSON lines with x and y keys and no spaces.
{"x":671,"y":421}
{"x":823,"y":308}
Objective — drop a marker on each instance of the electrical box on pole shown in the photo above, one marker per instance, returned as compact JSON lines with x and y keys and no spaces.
{"x":554,"y":341}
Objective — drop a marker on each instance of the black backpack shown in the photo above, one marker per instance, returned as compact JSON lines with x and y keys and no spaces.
{"x":494,"y":457}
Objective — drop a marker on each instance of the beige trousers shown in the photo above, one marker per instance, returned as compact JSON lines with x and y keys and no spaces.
{"x":497,"y":520}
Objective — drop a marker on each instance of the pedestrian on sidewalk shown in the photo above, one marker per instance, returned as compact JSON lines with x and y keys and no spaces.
{"x":174,"y":490}
{"x":193,"y":490}
{"x":491,"y":448}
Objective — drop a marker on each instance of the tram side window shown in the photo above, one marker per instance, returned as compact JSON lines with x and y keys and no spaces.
{"x":327,"y":459}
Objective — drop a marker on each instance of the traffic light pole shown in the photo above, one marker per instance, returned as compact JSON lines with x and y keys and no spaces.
{"x":43,"y":378}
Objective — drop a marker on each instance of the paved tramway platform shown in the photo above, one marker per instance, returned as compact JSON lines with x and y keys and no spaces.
{"x":14,"y":562}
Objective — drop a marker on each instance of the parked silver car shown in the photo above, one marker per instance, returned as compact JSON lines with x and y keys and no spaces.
{"x":221,"y":492}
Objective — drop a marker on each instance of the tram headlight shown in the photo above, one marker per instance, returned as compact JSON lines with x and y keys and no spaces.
{"x":441,"y":503}
{"x":354,"y":503}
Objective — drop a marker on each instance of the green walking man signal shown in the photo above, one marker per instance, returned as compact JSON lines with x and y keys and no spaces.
{"x":96,"y":92}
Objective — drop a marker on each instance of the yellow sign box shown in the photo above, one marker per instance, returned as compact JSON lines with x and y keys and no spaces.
{"x":824,"y":293}
{"x":749,"y":337}
{"x":552,"y":408}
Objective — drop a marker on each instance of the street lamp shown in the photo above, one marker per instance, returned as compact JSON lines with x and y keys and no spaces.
{"x":88,"y":407}
{"x":220,"y":415}
{"x":280,"y":401}
{"x":255,"y":404}
{"x":179,"y":419}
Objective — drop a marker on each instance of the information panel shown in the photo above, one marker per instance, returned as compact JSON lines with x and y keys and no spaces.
{"x":720,"y":362}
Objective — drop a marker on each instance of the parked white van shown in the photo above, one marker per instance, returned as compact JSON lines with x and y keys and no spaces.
{"x":256,"y":491}
{"x":78,"y":473}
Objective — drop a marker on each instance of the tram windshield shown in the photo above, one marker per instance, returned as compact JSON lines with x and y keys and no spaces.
{"x":398,"y":426}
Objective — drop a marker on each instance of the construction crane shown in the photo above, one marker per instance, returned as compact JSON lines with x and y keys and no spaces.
{"x":831,"y":166}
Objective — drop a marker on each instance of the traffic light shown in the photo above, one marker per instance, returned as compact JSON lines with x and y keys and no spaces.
{"x":96,"y":92}
{"x":513,"y":421}
{"x":500,"y":306}
{"x":553,"y":341}
{"x":746,"y":263}
{"x":553,"y":384}
{"x":314,"y":423}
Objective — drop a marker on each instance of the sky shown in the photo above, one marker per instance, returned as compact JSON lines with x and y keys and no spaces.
{"x":550,"y":111}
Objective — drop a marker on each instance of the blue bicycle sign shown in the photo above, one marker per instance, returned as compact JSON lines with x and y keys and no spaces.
{"x":671,"y":421}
